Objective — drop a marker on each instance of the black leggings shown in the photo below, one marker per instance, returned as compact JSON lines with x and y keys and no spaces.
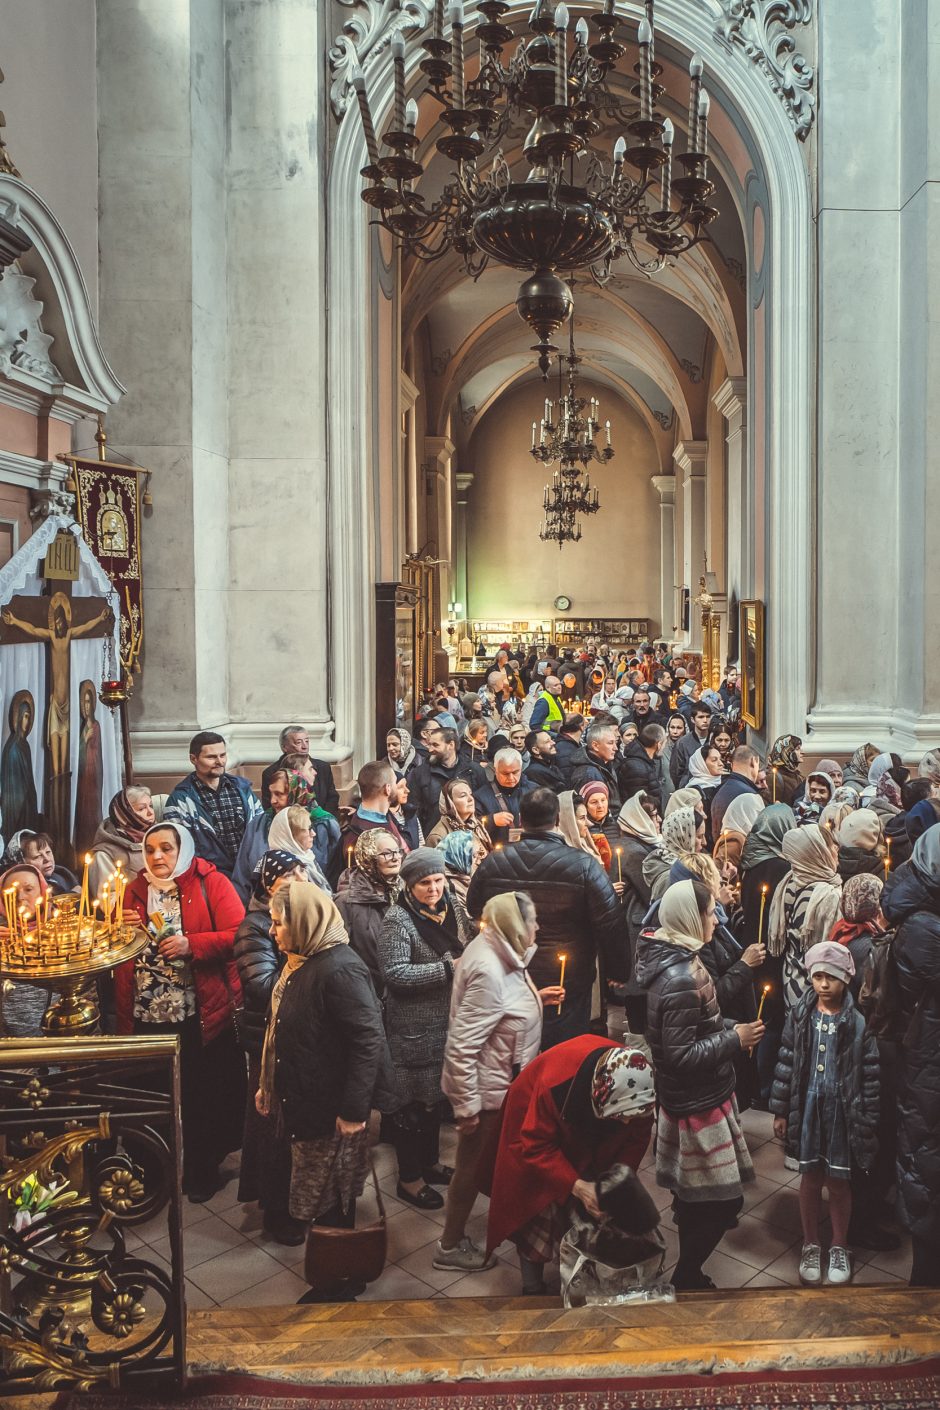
{"x":416,"y":1134}
{"x":701,"y":1228}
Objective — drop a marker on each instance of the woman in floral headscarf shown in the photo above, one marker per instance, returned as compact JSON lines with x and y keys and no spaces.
{"x":366,"y":892}
{"x":402,"y":754}
{"x":785,"y":758}
{"x":120,"y":836}
{"x":806,"y":905}
{"x":683,"y":832}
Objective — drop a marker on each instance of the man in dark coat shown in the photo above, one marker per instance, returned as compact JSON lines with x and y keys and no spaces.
{"x":745,"y":769}
{"x":641,"y":711}
{"x":595,"y":762}
{"x":578,"y":912}
{"x":911,"y":902}
{"x":701,"y":718}
{"x":500,"y":802}
{"x":568,"y":745}
{"x":639,"y":769}
{"x":296,"y":740}
{"x":543,"y":770}
{"x":427,"y":780}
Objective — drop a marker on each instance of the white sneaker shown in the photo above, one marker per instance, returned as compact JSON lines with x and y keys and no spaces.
{"x":466,"y":1256}
{"x":840,"y":1265}
{"x":790,"y":1162}
{"x":811,"y":1265}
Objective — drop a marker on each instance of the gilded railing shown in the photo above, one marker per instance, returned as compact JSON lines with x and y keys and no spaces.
{"x":89,"y":1149}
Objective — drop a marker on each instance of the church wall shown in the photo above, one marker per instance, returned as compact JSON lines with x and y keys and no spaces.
{"x":614,"y":570}
{"x":49,"y":97}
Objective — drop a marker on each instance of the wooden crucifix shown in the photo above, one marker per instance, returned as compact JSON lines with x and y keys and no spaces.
{"x":57,"y":619}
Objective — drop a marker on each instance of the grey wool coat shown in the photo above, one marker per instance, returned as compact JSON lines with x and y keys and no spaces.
{"x":417,"y":1002}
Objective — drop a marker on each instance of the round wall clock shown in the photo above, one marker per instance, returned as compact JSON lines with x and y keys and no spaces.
{"x":562,"y":603}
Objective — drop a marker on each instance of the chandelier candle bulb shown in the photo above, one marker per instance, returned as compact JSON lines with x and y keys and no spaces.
{"x":534,"y":429}
{"x":695,"y":73}
{"x":646,"y":80}
{"x":411,"y":115}
{"x":398,"y":64}
{"x":620,"y":152}
{"x":704,"y":108}
{"x":581,"y":33}
{"x":456,"y":52}
{"x":365,"y":112}
{"x":561,"y":56}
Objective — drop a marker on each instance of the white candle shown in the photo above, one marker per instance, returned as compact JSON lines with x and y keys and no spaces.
{"x":561,"y":56}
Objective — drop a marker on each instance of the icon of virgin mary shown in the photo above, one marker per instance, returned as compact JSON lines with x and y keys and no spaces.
{"x":88,"y":794}
{"x":17,"y":781}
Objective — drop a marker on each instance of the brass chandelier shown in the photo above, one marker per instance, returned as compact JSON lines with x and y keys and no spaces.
{"x":577,"y":208}
{"x":567,"y":433}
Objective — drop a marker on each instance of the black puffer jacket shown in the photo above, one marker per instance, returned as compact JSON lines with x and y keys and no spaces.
{"x":588,"y":768}
{"x":857,"y":1059}
{"x":693,"y":1047}
{"x":911,"y":901}
{"x":363,"y":904}
{"x":637,"y":772}
{"x":578,"y":910}
{"x":567,"y":751}
{"x":259,"y":963}
{"x":545,"y":773}
{"x":426,"y":782}
{"x":331,"y":1057}
{"x":854,"y":861}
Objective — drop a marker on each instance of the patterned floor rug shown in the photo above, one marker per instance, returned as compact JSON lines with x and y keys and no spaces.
{"x":914,"y":1386}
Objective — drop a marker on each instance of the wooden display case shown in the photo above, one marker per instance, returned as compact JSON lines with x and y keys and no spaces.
{"x":614,"y":631}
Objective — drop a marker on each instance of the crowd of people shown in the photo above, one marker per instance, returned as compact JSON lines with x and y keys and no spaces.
{"x":512,"y":881}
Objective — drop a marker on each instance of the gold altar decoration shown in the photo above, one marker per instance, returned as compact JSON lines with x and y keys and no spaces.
{"x":64,"y":944}
{"x":711,"y":633}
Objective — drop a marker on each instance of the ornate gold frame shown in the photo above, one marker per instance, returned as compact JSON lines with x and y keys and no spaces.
{"x":751,"y":647}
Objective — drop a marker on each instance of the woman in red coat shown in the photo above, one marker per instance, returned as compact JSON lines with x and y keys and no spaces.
{"x":571,"y":1114}
{"x":186,"y":982}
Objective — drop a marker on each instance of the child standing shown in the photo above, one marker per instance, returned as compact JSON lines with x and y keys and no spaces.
{"x":825,"y":1103}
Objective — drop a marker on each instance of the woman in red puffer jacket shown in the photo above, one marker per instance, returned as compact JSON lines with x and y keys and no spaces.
{"x":186,"y":983}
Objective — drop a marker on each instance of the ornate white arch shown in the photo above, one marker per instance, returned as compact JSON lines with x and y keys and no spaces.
{"x":760,"y":112}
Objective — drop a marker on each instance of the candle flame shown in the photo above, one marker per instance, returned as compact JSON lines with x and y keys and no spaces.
{"x":767,"y":988}
{"x":88,"y":859}
{"x":764,"y":889}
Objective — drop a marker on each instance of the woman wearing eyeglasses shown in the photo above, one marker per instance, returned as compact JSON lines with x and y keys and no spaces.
{"x":366,"y":892}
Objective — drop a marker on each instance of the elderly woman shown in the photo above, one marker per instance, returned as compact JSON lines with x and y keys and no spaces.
{"x":186,"y":983}
{"x":495,"y":1031}
{"x":462,"y":855}
{"x":805,"y":906}
{"x":400,"y":751}
{"x":576,"y":825}
{"x":120,"y":836}
{"x":292,"y":831}
{"x":861,"y":843}
{"x":459,"y":814}
{"x":365,"y":894}
{"x":683,"y":832}
{"x":603,"y":827}
{"x":422,"y":939}
{"x":23,"y":1006}
{"x":855,"y":773}
{"x":265,"y":1169}
{"x":572,"y":1114}
{"x":785,"y":760}
{"x":701,"y":1154}
{"x":325,"y":1062}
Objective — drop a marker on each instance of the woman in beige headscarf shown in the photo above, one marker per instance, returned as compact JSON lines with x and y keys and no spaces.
{"x":325,"y":1062}
{"x":806,"y":904}
{"x":494,"y":1031}
{"x":573,"y":822}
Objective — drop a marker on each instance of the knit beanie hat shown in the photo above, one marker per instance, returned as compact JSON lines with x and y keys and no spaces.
{"x":830,"y":958}
{"x":422,"y":862}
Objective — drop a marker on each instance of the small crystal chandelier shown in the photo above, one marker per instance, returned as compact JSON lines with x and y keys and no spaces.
{"x":565,"y":433}
{"x":577,"y":208}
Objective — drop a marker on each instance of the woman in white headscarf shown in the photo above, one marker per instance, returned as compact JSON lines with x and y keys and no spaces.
{"x":574,"y":824}
{"x":640,"y":836}
{"x":701,"y":1154}
{"x":806,"y":904}
{"x":495,"y":1030}
{"x":683,"y":832}
{"x":740,"y":816}
{"x":291,"y":831}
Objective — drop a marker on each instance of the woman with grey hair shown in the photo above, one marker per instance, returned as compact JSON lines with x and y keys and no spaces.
{"x":120,"y":836}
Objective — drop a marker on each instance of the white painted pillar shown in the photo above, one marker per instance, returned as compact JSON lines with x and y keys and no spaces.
{"x":463,"y":480}
{"x":439,"y":455}
{"x":731,"y":401}
{"x":409,"y":396}
{"x":690,"y":460}
{"x":665,"y":487}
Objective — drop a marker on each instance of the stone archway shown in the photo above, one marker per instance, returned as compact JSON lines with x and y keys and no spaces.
{"x":753,"y":116}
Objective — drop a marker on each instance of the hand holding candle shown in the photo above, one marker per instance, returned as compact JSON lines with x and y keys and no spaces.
{"x":763,"y":995}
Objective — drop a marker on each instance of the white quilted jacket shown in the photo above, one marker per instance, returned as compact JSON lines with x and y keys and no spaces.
{"x":495,"y":1026}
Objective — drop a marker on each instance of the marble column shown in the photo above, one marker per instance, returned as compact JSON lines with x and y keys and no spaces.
{"x":463,"y":480}
{"x":690,"y":461}
{"x":665,"y":487}
{"x":731,"y":401}
{"x":439,"y":455}
{"x":409,"y":459}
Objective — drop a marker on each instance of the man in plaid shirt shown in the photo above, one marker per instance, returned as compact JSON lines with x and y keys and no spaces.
{"x":214,"y":805}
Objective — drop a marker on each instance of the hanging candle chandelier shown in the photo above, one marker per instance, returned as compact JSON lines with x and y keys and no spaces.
{"x":570,"y":426}
{"x":577,"y":207}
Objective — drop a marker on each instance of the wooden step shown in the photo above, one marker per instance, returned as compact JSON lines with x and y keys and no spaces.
{"x":504,"y":1338}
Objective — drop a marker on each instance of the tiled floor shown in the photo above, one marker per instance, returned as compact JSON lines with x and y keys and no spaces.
{"x":229,"y":1261}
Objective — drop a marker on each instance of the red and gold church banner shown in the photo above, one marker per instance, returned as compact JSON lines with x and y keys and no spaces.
{"x":108,"y":510}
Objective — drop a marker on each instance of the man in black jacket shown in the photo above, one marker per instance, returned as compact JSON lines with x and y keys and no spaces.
{"x":639,"y":770}
{"x":595,"y":763}
{"x":543,"y":770}
{"x":294,"y":739}
{"x":568,"y":745}
{"x":745,"y":768}
{"x":577,"y":909}
{"x":427,"y":780}
{"x":679,"y":763}
{"x":642,"y":712}
{"x":500,"y":802}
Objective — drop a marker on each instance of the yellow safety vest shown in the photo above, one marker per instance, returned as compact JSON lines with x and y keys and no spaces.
{"x":555,"y":717}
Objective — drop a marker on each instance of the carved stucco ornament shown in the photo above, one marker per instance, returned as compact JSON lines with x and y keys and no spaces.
{"x":366,"y":35}
{"x":763,"y":29}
